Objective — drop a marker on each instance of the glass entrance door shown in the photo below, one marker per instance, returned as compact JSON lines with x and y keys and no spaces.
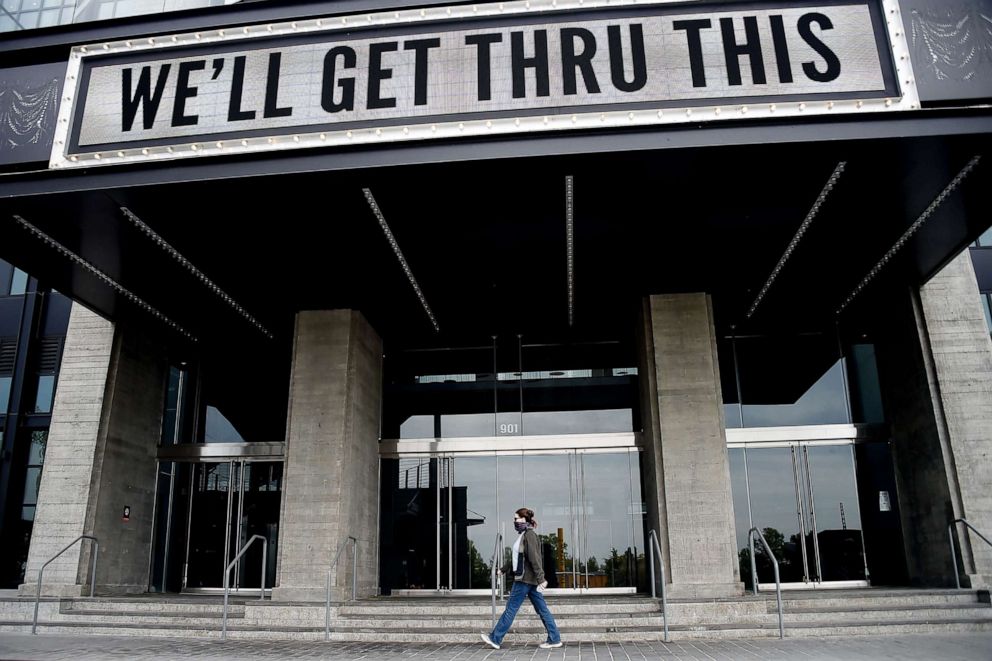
{"x":803,"y":497}
{"x":588,"y":507}
{"x":230,"y":502}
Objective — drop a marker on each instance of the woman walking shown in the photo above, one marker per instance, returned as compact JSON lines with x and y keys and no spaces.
{"x":528,"y":582}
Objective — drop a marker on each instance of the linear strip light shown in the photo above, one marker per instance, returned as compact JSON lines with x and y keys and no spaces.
{"x":810,"y":215}
{"x":917,"y":224}
{"x":570,"y":244}
{"x":202,"y":277}
{"x":399,"y":255}
{"x":110,"y":282}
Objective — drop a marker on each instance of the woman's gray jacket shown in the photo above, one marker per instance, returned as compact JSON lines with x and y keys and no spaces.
{"x":533,"y":565}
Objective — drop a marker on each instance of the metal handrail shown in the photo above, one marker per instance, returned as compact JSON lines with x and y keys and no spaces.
{"x":954,"y":555}
{"x":655,"y":552}
{"x":354,"y":581}
{"x":227,"y":576}
{"x":37,"y":597}
{"x":754,"y":574}
{"x":492,"y":578}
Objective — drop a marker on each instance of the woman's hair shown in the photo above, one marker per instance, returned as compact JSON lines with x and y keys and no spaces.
{"x":528,"y":514}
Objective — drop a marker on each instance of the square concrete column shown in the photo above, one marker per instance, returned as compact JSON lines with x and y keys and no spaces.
{"x":961,"y":385}
{"x":686,"y":470}
{"x":332,"y":457}
{"x":100,"y":457}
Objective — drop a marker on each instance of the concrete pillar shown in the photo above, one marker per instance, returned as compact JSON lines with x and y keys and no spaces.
{"x":686,"y":471}
{"x":332,"y":456}
{"x":961,"y":379}
{"x":106,"y":423}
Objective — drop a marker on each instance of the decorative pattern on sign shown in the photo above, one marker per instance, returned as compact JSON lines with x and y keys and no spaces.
{"x":953,"y":41}
{"x":27,"y":115}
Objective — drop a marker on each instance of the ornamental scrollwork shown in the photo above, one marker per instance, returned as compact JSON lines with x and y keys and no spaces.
{"x":27,"y":114}
{"x":953,"y":40}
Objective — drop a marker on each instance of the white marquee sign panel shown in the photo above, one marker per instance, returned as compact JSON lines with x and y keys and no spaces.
{"x":470,"y":71}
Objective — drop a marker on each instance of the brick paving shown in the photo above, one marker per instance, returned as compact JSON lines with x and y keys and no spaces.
{"x":957,"y":647}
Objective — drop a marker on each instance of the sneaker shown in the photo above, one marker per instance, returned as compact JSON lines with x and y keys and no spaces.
{"x":547,"y":645}
{"x":489,"y":641}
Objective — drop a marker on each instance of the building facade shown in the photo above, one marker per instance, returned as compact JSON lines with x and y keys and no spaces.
{"x":675,"y":271}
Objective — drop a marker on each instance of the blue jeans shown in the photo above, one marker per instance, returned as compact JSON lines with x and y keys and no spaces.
{"x":518,"y":592}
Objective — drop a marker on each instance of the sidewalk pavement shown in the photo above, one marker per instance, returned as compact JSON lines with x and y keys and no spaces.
{"x":53,"y":647}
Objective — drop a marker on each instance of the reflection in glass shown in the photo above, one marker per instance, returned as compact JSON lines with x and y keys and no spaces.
{"x":549,"y":487}
{"x":774,"y":510}
{"x":475,"y":521}
{"x":611,"y":521}
{"x":18,"y":282}
{"x":794,"y":380}
{"x":742,"y":511}
{"x":805,"y":501}
{"x":170,"y":415}
{"x":44,"y":393}
{"x":219,"y":429}
{"x":837,"y":516}
{"x":510,"y":388}
{"x":5,"y":382}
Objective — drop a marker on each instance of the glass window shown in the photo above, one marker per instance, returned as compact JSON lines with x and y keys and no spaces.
{"x":510,"y":388}
{"x":219,"y":429}
{"x":39,"y":443}
{"x":986,"y":238}
{"x":791,"y":380}
{"x":170,"y":416}
{"x":4,"y":393}
{"x":44,"y":393}
{"x":988,"y":311}
{"x":6,"y":270}
{"x":19,"y":282}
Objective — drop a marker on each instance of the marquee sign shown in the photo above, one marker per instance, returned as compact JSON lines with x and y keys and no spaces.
{"x":476,"y":70}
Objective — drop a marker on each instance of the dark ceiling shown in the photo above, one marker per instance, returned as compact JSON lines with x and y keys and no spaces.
{"x":486,"y":240}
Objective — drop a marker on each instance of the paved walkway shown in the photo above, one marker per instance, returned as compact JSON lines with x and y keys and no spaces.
{"x":957,"y":647}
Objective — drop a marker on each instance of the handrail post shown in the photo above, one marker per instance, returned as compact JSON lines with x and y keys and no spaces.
{"x":497,"y":545}
{"x":227,"y":575}
{"x":354,"y":580}
{"x":754,"y":564}
{"x":950,"y":534}
{"x":327,"y":610}
{"x":778,"y":582}
{"x":954,"y":554}
{"x":654,"y":550}
{"x":41,"y":572}
{"x":354,"y":569}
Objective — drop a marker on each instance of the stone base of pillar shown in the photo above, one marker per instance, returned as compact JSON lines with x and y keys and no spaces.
{"x":64,"y":591}
{"x":705,"y":590}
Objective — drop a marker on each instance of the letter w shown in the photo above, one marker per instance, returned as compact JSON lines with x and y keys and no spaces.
{"x":143,"y":96}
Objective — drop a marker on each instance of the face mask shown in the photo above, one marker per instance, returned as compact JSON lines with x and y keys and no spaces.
{"x":520,"y":525}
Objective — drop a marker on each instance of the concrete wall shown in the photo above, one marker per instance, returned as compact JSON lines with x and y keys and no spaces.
{"x":124,"y":470}
{"x":332,"y":460}
{"x":962,"y":370}
{"x":687,"y":474}
{"x":105,"y":424}
{"x":935,"y":370}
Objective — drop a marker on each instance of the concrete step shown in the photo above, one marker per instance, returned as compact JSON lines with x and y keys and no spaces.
{"x":565,"y":608}
{"x":132,"y":606}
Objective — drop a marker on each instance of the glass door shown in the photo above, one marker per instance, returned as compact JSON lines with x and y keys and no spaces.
{"x":230,"y":502}
{"x":441,"y":516}
{"x":804,"y":498}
